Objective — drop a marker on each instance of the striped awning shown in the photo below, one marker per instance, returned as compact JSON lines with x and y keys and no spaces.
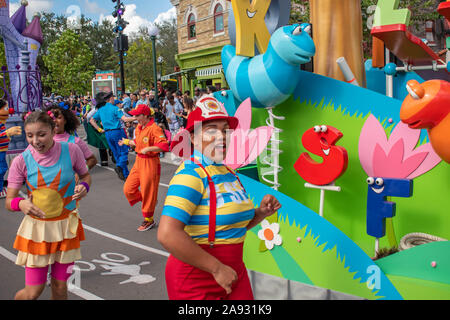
{"x":211,"y":71}
{"x":168,"y":76}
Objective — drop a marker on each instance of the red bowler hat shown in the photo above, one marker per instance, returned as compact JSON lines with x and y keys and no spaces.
{"x":207,"y":108}
{"x":142,"y":109}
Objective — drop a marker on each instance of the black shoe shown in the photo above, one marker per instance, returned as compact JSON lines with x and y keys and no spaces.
{"x":120,"y":173}
{"x":112,"y":156}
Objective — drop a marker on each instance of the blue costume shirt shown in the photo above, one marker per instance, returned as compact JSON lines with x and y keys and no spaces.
{"x":110,"y":116}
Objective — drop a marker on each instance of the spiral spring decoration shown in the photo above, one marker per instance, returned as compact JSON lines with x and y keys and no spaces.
{"x":271,"y":159}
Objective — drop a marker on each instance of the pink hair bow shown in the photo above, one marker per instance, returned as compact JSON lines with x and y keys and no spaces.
{"x":51,"y":115}
{"x":27,"y":115}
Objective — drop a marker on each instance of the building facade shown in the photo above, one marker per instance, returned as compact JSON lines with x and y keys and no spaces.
{"x":202,"y":28}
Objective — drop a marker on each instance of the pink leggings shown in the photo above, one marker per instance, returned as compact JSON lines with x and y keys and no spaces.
{"x":38,"y":276}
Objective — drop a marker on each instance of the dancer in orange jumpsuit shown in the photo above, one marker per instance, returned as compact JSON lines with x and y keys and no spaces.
{"x":149,"y":142}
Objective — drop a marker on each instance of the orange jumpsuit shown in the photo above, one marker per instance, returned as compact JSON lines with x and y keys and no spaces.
{"x":146,"y":170}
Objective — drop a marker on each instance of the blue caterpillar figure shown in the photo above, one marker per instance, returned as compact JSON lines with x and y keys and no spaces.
{"x":270,"y":78}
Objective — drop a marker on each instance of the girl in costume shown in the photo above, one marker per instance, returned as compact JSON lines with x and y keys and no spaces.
{"x":51,"y":231}
{"x":207,"y":213}
{"x":145,"y":174}
{"x":66,"y":123}
{"x":110,"y":115}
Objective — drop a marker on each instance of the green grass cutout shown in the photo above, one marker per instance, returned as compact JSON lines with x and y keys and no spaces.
{"x":425,"y":211}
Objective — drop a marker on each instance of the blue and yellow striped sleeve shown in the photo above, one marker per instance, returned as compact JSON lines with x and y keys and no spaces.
{"x":184,"y":195}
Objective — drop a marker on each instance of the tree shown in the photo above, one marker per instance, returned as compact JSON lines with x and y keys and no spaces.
{"x":167,"y":45}
{"x":100,"y":39}
{"x":299,"y":11}
{"x":139,"y":67}
{"x":69,"y":66}
{"x":52,"y":26}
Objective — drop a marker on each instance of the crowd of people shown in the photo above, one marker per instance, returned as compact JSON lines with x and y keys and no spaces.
{"x":209,"y":250}
{"x":171,"y":109}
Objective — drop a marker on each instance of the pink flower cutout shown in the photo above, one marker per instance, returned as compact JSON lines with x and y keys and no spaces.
{"x":246,"y":145}
{"x":396,"y":157}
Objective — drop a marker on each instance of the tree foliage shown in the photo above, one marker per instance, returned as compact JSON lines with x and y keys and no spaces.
{"x":167,"y":45}
{"x":97,"y":36}
{"x":68,"y":62}
{"x":95,"y":45}
{"x":139,"y":66}
{"x":100,"y":39}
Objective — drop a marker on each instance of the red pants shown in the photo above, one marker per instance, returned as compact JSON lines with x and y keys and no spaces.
{"x":185,"y":282}
{"x":144,"y":175}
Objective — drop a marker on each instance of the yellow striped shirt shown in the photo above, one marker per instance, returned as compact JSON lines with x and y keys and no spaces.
{"x":188,"y":201}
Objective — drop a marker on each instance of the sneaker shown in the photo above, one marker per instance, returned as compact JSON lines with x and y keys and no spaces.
{"x":120,"y":173}
{"x":146,"y":225}
{"x":3,"y":193}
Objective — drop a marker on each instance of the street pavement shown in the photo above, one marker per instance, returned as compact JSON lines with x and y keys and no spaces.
{"x":118,"y":262}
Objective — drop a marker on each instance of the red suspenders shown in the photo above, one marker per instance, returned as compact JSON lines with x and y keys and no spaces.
{"x":213,"y":201}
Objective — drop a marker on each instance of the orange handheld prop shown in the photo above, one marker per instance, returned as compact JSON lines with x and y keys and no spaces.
{"x":428,"y":107}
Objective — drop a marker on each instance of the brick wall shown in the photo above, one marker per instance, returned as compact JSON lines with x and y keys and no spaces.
{"x":205,"y":37}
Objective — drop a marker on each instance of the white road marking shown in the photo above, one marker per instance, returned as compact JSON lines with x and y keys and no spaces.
{"x":129,"y":242}
{"x":117,"y":238}
{"x":75,"y":290}
{"x":105,"y":167}
{"x":8,"y":255}
{"x":111,"y":169}
{"x":86,"y":295}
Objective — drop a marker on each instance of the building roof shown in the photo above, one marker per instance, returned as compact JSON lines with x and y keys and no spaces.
{"x":19,"y":19}
{"x":34,"y":30}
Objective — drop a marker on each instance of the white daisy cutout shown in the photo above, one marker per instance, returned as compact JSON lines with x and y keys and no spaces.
{"x":269,"y":233}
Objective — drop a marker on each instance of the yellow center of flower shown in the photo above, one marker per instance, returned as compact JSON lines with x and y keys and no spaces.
{"x":49,"y":201}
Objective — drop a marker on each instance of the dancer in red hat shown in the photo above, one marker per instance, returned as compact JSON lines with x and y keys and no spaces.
{"x":145,"y":174}
{"x":207,"y":213}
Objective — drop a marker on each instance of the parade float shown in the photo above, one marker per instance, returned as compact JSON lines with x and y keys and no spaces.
{"x":357,"y":157}
{"x":21,"y":85}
